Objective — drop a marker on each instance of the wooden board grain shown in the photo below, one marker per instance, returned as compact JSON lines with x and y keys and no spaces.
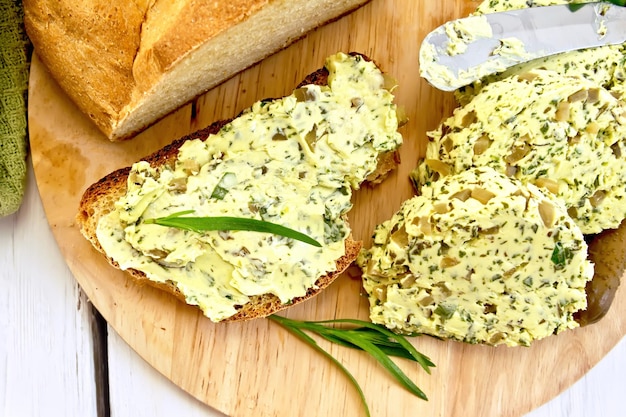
{"x":256,"y":368}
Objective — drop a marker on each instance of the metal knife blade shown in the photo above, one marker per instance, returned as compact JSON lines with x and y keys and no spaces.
{"x":452,"y":56}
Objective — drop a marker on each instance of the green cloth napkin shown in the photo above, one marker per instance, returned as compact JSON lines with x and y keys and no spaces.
{"x":14,"y":68}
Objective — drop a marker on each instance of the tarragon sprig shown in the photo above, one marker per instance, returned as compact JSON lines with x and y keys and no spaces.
{"x":374,"y":339}
{"x":180,"y":220}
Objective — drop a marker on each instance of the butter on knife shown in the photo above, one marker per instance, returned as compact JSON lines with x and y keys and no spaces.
{"x":465,"y":50}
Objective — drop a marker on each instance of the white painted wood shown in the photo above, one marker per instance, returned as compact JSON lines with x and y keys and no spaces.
{"x":600,"y":393}
{"x":138,"y":390}
{"x":46,"y":355}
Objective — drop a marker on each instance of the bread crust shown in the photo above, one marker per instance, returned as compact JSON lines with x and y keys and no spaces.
{"x":126,"y":64}
{"x":98,"y":200}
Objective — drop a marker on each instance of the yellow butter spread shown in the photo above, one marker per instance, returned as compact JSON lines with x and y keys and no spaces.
{"x":478,"y":257}
{"x":292,"y":161}
{"x":606,"y":65}
{"x":559,"y":122}
{"x":565,"y":134}
{"x":461,"y":34}
{"x":492,"y":250}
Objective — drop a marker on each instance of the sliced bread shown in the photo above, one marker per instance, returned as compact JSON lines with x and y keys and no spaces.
{"x":352,"y":99}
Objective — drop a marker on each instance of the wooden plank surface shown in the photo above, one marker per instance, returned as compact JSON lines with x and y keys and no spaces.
{"x":46,"y":349}
{"x":137,"y":389}
{"x":255,"y":368}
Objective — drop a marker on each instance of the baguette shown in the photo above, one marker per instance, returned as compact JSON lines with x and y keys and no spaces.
{"x":102,"y":198}
{"x":127,"y":64}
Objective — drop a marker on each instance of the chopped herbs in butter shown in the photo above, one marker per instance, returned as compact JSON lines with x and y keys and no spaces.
{"x":565,"y":134}
{"x":292,"y":161}
{"x":478,"y":257}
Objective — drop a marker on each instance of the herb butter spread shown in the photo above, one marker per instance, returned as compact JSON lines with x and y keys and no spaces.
{"x":604,"y":65}
{"x":478,"y":257}
{"x":565,"y":134}
{"x":461,"y":34}
{"x":292,"y":161}
{"x":558,"y":122}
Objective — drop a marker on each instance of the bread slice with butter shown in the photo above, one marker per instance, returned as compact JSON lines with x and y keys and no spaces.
{"x":481,"y":258}
{"x":562,"y":133}
{"x":293,"y":161}
{"x":128,"y":63}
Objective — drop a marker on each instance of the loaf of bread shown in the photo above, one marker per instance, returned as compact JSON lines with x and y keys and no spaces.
{"x":292,"y":161}
{"x":128,"y":63}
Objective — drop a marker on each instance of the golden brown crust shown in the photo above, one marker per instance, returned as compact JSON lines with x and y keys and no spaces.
{"x":128,"y":63}
{"x":163,"y":42}
{"x":98,"y":75}
{"x":98,"y":200}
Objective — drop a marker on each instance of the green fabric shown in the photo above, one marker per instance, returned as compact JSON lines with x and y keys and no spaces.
{"x":13,"y":85}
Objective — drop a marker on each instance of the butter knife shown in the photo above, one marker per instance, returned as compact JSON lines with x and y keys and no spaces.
{"x":462,"y":51}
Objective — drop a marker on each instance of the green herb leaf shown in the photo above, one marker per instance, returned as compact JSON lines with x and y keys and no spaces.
{"x":561,"y":255}
{"x":309,"y":340}
{"x":445,"y":311}
{"x":378,"y":341}
{"x":204,"y":224}
{"x":227,"y":181}
{"x":384,"y":337}
{"x":575,"y":6}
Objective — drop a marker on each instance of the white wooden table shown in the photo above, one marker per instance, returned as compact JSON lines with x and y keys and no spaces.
{"x":58,"y":358}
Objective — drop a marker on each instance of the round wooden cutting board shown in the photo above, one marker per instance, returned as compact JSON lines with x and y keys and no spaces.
{"x":257,"y":368}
